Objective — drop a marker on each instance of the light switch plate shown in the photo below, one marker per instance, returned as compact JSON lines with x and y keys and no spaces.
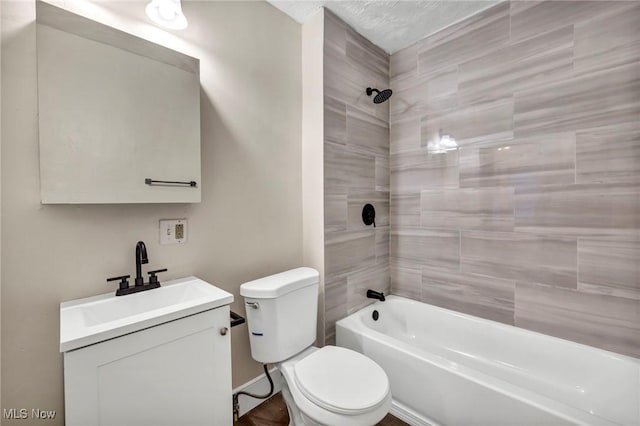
{"x":173,"y":231}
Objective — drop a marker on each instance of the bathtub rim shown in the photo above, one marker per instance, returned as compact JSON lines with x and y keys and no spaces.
{"x":354,"y":323}
{"x":500,"y":325}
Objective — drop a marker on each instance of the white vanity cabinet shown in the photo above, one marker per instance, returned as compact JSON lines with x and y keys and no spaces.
{"x":176,"y":372}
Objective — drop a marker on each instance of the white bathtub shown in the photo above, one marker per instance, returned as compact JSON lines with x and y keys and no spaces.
{"x":448,"y":368}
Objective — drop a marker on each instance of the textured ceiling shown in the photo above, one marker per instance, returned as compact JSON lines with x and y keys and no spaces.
{"x":392,"y":25}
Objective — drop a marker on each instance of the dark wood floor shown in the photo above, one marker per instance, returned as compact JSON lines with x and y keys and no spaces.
{"x":273,"y":412}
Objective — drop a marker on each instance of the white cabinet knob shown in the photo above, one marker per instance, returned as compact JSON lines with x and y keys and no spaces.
{"x":223,"y":331}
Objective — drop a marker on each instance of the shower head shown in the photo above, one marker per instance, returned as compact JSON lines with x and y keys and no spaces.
{"x":381,"y":96}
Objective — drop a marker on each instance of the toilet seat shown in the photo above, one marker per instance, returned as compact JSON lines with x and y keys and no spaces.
{"x":315,"y":414}
{"x":341,"y":380}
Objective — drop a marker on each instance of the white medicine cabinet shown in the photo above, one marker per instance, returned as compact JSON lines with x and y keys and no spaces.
{"x":119,"y":116}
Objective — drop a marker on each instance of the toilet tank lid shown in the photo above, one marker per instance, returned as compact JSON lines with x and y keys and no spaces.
{"x":279,"y":284}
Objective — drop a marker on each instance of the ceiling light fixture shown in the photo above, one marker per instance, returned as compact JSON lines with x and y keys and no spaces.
{"x":167,"y":13}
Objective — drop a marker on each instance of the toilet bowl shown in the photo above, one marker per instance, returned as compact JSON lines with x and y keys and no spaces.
{"x":328,"y":386}
{"x":336,"y":387}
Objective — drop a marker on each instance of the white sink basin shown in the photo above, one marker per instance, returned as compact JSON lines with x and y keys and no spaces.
{"x":94,"y":319}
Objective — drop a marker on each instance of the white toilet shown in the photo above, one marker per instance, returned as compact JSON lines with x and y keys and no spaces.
{"x":330,"y":386}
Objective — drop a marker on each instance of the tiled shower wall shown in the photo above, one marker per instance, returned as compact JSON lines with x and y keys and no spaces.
{"x":535,"y":220}
{"x":356,"y":171}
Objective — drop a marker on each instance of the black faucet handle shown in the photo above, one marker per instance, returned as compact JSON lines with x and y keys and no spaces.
{"x":124,"y":281}
{"x":153,"y":279}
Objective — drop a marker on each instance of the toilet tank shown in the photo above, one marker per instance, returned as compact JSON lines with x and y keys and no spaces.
{"x":281,"y":313}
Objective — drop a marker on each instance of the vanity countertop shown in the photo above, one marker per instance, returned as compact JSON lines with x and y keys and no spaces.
{"x":94,"y":319}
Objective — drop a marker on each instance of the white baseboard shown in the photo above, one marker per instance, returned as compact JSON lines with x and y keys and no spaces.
{"x":258,"y":386}
{"x":407,"y":415}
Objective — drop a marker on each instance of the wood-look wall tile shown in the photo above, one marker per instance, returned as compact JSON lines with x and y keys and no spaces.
{"x":336,"y":305}
{"x":335,"y":33}
{"x":529,"y":19}
{"x":426,"y":247}
{"x":472,"y":23}
{"x":382,"y":173}
{"x":335,"y":41}
{"x":356,"y":164}
{"x":438,"y":84}
{"x":335,"y":74}
{"x":530,"y":63}
{"x":330,"y":336}
{"x":367,"y":54}
{"x":406,"y":279}
{"x":438,"y":106}
{"x":335,"y":212}
{"x":346,"y":251}
{"x":404,"y":135}
{"x":519,"y":256}
{"x":364,"y":102}
{"x":404,"y":210}
{"x":609,"y":267}
{"x":359,"y":99}
{"x":521,"y":6}
{"x":367,"y":63}
{"x":607,"y":322}
{"x":470,"y":124}
{"x":404,"y":62}
{"x":335,"y":121}
{"x":537,"y":160}
{"x":608,"y":41}
{"x":335,"y":286}
{"x":414,"y":171}
{"x":485,"y":297}
{"x":405,"y":102}
{"x":382,"y":245}
{"x":344,"y":80}
{"x":465,"y":40}
{"x":596,"y":99}
{"x":367,"y":133}
{"x":538,"y":95}
{"x":604,"y":210}
{"x":472,"y":208}
{"x":375,"y":278}
{"x":357,"y":200}
{"x":609,"y":154}
{"x":344,"y":168}
{"x":438,"y":92}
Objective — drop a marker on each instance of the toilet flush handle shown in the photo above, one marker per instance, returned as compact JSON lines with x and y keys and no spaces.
{"x":254,"y":305}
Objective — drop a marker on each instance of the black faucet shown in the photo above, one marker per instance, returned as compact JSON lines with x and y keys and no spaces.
{"x":141,"y":257}
{"x":372,"y":294}
{"x":140,"y":285}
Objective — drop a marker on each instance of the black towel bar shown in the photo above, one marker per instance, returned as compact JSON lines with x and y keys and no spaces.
{"x":150,"y":181}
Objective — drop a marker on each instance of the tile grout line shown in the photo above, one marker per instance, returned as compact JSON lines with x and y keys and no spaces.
{"x":578,"y":264}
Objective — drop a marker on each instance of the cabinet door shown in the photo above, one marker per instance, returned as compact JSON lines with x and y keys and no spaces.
{"x":177,"y":373}
{"x":112,"y":116}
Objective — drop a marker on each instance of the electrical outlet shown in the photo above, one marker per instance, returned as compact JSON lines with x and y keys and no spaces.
{"x":179,"y":231}
{"x":173,"y":231}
